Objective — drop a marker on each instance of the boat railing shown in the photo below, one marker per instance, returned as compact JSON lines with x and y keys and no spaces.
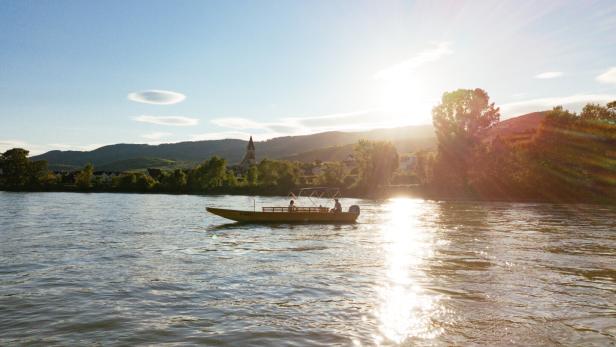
{"x":296,"y":209}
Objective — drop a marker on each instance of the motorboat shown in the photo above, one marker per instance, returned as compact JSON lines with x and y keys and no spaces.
{"x":294,"y":214}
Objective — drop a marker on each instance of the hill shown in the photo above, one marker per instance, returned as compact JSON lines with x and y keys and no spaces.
{"x":327,"y":146}
{"x":189,"y":153}
{"x":338,"y":153}
{"x":520,"y":128}
{"x":139,"y":163}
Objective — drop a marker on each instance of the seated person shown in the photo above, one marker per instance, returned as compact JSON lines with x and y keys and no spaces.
{"x":291,"y":206}
{"x":337,"y":207}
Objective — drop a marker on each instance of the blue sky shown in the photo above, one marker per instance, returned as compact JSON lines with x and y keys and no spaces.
{"x":81,"y":74}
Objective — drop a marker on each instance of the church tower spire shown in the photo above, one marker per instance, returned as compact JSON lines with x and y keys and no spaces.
{"x":249,"y":157}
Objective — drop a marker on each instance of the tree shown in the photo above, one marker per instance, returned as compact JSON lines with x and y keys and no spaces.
{"x":377,"y":162}
{"x":282,"y":174}
{"x":18,"y":172}
{"x":333,"y":174}
{"x":462,"y":116}
{"x":144,"y":183}
{"x":83,"y":179}
{"x":252,"y":176}
{"x":125,"y":182}
{"x":230,"y":180}
{"x":209,"y":175}
{"x":459,"y":121}
{"x":174,"y":181}
{"x":594,"y":112}
{"x":14,"y":167}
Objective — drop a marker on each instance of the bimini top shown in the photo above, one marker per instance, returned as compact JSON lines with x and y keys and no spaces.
{"x":317,"y":192}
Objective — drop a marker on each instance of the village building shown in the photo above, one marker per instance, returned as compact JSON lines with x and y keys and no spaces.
{"x":350,"y":162}
{"x":407,"y":163}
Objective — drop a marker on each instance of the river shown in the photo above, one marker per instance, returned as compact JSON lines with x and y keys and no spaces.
{"x":131,"y":269}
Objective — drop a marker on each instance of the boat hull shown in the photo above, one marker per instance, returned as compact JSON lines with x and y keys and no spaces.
{"x":284,"y":217}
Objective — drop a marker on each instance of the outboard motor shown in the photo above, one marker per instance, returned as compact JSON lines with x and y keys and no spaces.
{"x":354,"y":209}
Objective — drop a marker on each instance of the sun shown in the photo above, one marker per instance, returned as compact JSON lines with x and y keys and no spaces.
{"x":405,"y":100}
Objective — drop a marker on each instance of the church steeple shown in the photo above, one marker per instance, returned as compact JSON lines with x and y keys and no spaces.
{"x":249,"y":157}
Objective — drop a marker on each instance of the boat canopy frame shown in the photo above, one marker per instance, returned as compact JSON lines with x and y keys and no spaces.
{"x":317,"y":193}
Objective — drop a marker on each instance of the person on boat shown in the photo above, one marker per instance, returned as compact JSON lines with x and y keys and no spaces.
{"x":337,"y":207}
{"x":291,"y":206}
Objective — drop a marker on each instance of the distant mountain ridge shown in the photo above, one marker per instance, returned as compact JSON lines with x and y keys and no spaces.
{"x":327,"y":146}
{"x":190,"y":153}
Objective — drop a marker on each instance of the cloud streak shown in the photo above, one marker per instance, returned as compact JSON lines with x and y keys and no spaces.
{"x":226,"y":135}
{"x":608,"y":76}
{"x":168,"y":120}
{"x":348,"y":121}
{"x":156,"y":135}
{"x":549,"y":75}
{"x":428,"y":55}
{"x":157,"y":97}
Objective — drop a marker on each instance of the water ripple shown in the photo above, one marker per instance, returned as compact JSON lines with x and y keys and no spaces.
{"x":128,"y":269}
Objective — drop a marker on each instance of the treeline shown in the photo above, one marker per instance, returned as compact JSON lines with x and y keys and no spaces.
{"x":570,"y":158}
{"x":375,"y":165}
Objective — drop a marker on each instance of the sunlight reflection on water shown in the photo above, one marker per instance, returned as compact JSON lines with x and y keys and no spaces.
{"x":406,"y":308}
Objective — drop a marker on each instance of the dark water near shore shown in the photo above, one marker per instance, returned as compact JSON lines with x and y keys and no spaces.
{"x":129,"y":269}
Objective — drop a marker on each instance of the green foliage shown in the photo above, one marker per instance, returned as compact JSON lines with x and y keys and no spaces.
{"x":125,"y":182}
{"x":574,"y":155}
{"x":283,"y":174}
{"x":252,"y":176}
{"x":594,"y":112}
{"x":333,"y":174}
{"x":570,"y":158}
{"x":209,"y":175}
{"x":377,"y":162}
{"x":18,"y":172}
{"x":83,"y":179}
{"x":230,"y":180}
{"x":173,"y":181}
{"x":459,"y":121}
{"x":461,"y":118}
{"x":14,"y":165}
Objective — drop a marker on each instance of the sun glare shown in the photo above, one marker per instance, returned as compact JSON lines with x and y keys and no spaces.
{"x":405,"y":101}
{"x":405,"y":309}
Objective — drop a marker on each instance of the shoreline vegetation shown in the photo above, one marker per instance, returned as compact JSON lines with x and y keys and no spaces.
{"x":570,"y":158}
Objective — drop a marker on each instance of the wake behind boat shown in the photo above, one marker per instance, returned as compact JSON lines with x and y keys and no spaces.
{"x":293,"y":214}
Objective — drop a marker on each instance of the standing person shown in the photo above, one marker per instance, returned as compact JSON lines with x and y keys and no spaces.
{"x":337,"y":206}
{"x":291,"y":206}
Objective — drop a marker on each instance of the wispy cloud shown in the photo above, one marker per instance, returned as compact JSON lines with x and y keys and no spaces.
{"x":347,"y":121}
{"x":156,"y":135}
{"x":434,"y":53}
{"x":573,"y":102}
{"x":225,"y":135}
{"x":157,"y":97}
{"x":608,"y":77}
{"x":549,"y":75}
{"x":168,"y":120}
{"x":5,"y":145}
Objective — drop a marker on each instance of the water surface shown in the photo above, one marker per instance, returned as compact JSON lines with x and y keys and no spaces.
{"x":130,"y":269}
